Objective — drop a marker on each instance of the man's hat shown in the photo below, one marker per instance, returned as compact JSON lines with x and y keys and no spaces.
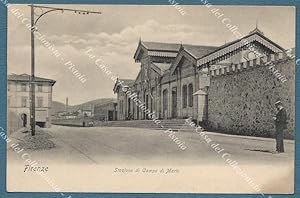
{"x":278,"y":102}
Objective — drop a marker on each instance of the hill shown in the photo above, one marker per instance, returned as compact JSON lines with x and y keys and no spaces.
{"x":58,"y":106}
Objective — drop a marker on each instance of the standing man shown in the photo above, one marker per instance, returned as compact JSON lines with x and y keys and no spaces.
{"x":280,"y":125}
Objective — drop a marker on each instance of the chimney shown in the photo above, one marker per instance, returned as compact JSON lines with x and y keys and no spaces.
{"x":67,"y":104}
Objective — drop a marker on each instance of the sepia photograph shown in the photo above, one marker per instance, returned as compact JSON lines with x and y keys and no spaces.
{"x":150,"y":98}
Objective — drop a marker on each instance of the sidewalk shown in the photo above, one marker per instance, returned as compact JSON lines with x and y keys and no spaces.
{"x":248,"y":137}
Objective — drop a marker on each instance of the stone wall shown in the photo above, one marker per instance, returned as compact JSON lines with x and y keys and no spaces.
{"x":241,"y":100}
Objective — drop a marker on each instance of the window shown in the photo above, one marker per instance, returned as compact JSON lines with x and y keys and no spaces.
{"x":40,"y":88}
{"x":23,"y":87}
{"x":39,"y":101}
{"x":190,"y":99}
{"x":184,"y":96}
{"x":8,"y":101}
{"x":24,"y":101}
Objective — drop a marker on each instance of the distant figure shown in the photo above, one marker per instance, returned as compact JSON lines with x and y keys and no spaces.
{"x":24,"y":119}
{"x":280,"y":125}
{"x":130,"y":116}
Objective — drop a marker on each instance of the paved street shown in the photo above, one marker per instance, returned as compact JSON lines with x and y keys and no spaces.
{"x":131,"y":145}
{"x":92,"y":154}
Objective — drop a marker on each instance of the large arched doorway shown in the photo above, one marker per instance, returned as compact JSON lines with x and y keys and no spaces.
{"x":138,"y":108}
{"x":165,"y":104}
{"x":153,"y":100}
{"x":129,"y":115}
{"x":147,"y":106}
{"x":145,"y":97}
{"x":174,"y":102}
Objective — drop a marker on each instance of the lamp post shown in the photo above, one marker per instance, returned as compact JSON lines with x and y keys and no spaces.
{"x":44,"y":10}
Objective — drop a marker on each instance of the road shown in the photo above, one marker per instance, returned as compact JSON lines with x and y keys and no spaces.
{"x":87,"y":155}
{"x":98,"y":145}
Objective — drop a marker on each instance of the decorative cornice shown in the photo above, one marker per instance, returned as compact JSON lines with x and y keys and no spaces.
{"x":218,"y":54}
{"x":238,"y":68}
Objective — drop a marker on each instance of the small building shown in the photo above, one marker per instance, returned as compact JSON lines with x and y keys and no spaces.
{"x":18,"y":101}
{"x":84,"y":113}
{"x":60,"y":114}
{"x":105,"y":112}
{"x":71,"y":116}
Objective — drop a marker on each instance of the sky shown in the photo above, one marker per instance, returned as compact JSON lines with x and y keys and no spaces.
{"x":114,"y":35}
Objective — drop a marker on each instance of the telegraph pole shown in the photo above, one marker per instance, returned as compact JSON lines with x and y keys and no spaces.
{"x":32,"y":76}
{"x":44,"y":10}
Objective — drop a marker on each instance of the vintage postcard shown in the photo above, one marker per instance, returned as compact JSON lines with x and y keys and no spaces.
{"x":150,"y":98}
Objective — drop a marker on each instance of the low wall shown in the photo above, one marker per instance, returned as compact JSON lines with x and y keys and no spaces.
{"x":72,"y":122}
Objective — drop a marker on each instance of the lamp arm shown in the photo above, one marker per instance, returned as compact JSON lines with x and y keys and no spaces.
{"x":44,"y":14}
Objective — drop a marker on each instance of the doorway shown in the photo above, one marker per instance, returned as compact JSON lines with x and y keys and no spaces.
{"x":110,"y":115}
{"x":165,"y":104}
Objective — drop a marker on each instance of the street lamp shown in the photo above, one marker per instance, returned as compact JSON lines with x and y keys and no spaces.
{"x":44,"y":10}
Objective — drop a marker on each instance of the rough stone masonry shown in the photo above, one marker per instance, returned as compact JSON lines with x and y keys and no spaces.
{"x":243,"y":102}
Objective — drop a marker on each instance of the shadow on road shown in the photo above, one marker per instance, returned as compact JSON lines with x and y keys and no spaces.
{"x":259,"y":150}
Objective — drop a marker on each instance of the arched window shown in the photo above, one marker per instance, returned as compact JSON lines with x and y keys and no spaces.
{"x":190,"y":98}
{"x":184,"y":96}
